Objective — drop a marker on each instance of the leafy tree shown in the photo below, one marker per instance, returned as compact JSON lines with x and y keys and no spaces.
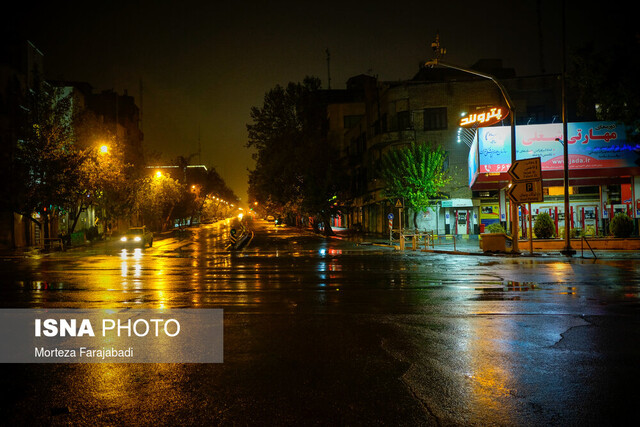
{"x":156,"y":199}
{"x":210,"y":187}
{"x":212,"y":191}
{"x":295,"y":170}
{"x":103,"y":173}
{"x":415,"y":174}
{"x":46,"y":164}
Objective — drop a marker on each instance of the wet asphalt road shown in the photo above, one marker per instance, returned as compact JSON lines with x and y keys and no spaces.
{"x":325,"y":332}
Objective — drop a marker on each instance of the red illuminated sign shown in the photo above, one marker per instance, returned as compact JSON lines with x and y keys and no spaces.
{"x":487,"y":117}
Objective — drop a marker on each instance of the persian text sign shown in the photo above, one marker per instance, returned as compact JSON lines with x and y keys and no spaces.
{"x":111,"y":336}
{"x":526,"y":192}
{"x":592,"y":145}
{"x":526,"y":169}
{"x":487,"y":117}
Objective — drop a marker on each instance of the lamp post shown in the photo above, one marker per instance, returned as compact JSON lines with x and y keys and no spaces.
{"x":512,"y":114}
{"x":568,"y":250}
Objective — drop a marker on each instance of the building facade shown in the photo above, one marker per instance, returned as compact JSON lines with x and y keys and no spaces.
{"x":427,"y":109}
{"x":21,"y":67}
{"x":21,"y":64}
{"x":604,"y":174}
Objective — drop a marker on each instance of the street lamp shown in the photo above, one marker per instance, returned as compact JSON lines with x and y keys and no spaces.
{"x":512,"y":114}
{"x":567,"y":250}
{"x":104,"y":149}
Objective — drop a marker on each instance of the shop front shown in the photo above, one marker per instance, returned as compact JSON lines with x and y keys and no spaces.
{"x":604,"y":175}
{"x":460,"y":216}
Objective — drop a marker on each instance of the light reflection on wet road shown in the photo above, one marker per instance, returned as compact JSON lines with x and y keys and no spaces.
{"x":324,"y":331}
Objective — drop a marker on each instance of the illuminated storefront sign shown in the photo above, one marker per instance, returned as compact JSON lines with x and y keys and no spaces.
{"x":474,"y":164}
{"x":592,"y":145}
{"x":487,"y":117}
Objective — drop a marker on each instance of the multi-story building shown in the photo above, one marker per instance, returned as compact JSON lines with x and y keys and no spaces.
{"x":427,"y":109}
{"x":123,"y":114}
{"x":21,"y":64}
{"x":604,"y":166}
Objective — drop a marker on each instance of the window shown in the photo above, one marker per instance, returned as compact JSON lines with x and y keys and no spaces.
{"x":435,"y":118}
{"x":351,"y":121}
{"x":535,"y":114}
{"x":404,"y":121}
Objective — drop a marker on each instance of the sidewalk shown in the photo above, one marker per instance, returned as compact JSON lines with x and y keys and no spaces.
{"x":471,"y":246}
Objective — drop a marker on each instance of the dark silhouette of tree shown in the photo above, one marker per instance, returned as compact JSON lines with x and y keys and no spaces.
{"x":46,"y":163}
{"x":295,"y":170}
{"x":605,"y":83}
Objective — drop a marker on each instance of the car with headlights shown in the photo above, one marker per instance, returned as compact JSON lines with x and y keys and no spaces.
{"x":137,"y":237}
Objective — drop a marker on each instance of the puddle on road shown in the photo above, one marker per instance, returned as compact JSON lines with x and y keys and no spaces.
{"x":504,"y":291}
{"x":40,"y":285}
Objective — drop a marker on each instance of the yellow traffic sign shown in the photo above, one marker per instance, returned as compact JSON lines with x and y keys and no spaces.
{"x":526,"y":192}
{"x":526,"y":169}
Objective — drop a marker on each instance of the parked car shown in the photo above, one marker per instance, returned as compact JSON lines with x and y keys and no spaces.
{"x":137,"y":237}
{"x":270,"y":218}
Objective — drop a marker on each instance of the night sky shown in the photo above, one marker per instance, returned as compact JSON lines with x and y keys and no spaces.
{"x":203,"y":65}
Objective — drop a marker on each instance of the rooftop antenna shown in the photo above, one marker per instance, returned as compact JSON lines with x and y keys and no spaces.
{"x":328,"y":68}
{"x":438,"y":51}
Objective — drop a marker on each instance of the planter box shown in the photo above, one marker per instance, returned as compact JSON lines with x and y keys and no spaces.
{"x":495,"y":242}
{"x":603,"y":244}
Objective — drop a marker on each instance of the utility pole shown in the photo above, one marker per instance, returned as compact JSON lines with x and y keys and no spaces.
{"x":328,"y":69}
{"x":568,"y":250}
{"x":141,"y":107}
{"x":438,"y":53}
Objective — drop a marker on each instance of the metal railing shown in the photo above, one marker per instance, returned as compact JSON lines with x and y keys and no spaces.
{"x":584,"y":240}
{"x":428,"y":238}
{"x":53,"y":242}
{"x":444,"y":241}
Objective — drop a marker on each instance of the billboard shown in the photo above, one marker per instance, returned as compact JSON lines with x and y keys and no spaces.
{"x":592,"y":145}
{"x":473,"y":161}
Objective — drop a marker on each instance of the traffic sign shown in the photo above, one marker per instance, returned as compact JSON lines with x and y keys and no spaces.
{"x":398,"y":203}
{"x":526,"y":192}
{"x":526,"y":169}
{"x":390,"y":217}
{"x":390,"y":223}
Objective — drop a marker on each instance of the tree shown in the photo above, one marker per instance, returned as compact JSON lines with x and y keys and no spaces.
{"x":212,"y":191}
{"x":102,"y":172}
{"x":415,"y":174}
{"x":156,"y":198}
{"x":210,"y":186}
{"x":295,"y":170}
{"x":46,"y":168}
{"x":605,"y":82}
